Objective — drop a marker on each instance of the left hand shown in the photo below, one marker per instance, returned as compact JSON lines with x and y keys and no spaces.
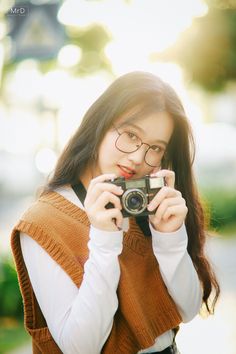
{"x":171,"y":207}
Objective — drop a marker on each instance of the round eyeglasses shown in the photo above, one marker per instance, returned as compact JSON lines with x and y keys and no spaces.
{"x":128,"y":142}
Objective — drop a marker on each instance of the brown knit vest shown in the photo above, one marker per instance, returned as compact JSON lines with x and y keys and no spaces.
{"x":145,"y":310}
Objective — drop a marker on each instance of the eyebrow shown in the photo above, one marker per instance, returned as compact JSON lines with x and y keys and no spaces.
{"x":142,"y":131}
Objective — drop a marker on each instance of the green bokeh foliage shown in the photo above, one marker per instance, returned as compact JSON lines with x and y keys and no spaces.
{"x":10,"y":297}
{"x":221,"y":204}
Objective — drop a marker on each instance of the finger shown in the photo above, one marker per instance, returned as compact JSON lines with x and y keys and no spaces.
{"x":109,"y":216}
{"x":115,"y":215}
{"x":167,"y":203}
{"x":164,"y":192}
{"x":99,"y":188}
{"x":105,"y":198}
{"x":101,"y":178}
{"x":176,"y":210}
{"x":168,"y":175}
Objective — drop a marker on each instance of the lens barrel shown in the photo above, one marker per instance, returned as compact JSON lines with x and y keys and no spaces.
{"x":134,"y":201}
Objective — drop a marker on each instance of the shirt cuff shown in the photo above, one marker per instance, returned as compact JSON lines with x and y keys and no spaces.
{"x":171,"y":241}
{"x":110,"y":240}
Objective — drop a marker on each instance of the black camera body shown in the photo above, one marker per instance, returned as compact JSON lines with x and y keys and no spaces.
{"x":138,"y":193}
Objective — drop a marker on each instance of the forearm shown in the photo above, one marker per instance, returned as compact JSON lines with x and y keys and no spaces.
{"x":91,"y":316}
{"x":178,"y":271}
{"x":79,"y":320}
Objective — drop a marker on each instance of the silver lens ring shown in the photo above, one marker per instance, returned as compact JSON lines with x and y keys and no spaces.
{"x":125,"y":200}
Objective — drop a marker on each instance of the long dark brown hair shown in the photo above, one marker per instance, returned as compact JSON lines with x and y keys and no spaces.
{"x":147,"y":93}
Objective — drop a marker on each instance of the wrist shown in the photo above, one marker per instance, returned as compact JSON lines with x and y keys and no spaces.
{"x":169,"y":240}
{"x":106,"y":239}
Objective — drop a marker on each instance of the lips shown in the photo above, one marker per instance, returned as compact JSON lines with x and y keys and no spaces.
{"x":126,"y":172}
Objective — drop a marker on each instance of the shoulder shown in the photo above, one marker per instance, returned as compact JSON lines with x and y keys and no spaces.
{"x":54,"y":207}
{"x":52,"y":215}
{"x":58,"y":226}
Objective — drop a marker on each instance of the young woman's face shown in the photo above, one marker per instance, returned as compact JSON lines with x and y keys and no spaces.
{"x":154,"y":130}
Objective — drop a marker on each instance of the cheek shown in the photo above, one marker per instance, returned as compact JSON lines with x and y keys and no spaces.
{"x":149,"y":170}
{"x":107,"y":150}
{"x":156,"y":169}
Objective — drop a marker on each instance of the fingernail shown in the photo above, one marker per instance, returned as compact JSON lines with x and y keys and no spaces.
{"x":157,"y":174}
{"x":150,"y":207}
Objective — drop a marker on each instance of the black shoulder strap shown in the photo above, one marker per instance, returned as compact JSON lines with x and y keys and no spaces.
{"x":80,"y":191}
{"x":142,"y":222}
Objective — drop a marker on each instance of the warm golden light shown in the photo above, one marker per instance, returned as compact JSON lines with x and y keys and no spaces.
{"x":45,"y":160}
{"x":69,"y":55}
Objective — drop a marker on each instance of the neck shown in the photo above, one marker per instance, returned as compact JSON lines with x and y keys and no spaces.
{"x":87,"y":175}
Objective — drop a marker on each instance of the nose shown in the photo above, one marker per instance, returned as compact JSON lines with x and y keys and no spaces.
{"x":137,"y":157}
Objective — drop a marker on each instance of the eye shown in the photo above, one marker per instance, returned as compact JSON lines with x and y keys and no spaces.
{"x":132,"y":136}
{"x":157,"y":148}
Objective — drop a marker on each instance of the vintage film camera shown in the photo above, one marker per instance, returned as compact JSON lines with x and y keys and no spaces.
{"x":137,"y":194}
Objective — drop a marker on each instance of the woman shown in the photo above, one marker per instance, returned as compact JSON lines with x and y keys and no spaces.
{"x":93,"y":281}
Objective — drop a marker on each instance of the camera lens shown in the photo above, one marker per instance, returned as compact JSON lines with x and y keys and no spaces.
{"x":134,"y":201}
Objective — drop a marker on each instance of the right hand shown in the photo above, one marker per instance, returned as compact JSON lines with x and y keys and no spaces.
{"x":99,"y":194}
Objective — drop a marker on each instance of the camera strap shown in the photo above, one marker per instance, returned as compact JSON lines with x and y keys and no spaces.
{"x":80,"y":191}
{"x":142,"y":221}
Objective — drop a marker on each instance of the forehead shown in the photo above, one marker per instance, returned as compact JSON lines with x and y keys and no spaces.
{"x":141,"y":111}
{"x":152,"y":125}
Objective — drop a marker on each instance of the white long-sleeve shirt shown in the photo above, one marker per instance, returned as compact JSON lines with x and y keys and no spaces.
{"x":80,"y":319}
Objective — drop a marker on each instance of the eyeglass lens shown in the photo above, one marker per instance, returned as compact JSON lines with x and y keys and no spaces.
{"x":129,"y":142}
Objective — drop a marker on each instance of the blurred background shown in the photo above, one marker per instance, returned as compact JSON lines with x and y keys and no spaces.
{"x":57,"y":57}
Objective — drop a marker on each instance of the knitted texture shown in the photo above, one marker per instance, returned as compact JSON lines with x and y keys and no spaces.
{"x":145,"y":310}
